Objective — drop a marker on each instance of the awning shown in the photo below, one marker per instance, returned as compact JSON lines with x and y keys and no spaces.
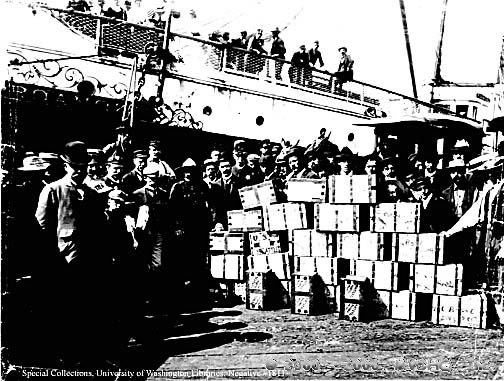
{"x":496,"y":124}
{"x":436,"y":124}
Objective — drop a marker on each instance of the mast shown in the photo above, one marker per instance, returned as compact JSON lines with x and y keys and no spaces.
{"x":437,"y":70}
{"x":500,"y":74}
{"x":408,"y":48}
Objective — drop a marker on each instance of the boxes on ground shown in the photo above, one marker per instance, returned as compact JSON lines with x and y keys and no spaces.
{"x":383,"y":302}
{"x":279,"y":263}
{"x":228,"y":266}
{"x":265,"y":193}
{"x":341,"y":217}
{"x":268,"y":243}
{"x":407,"y":305}
{"x":245,"y":220}
{"x":355,"y":288}
{"x":226,"y":242}
{"x":329,"y":269}
{"x":354,"y":189}
{"x":496,"y":303}
{"x":401,"y":217}
{"x":306,"y":190}
{"x":265,"y":292}
{"x":383,"y":275}
{"x":465,"y":311}
{"x":419,"y":248}
{"x":310,"y":296}
{"x":437,"y":279}
{"x":311,"y":243}
{"x":287,"y":216}
{"x":365,"y":245}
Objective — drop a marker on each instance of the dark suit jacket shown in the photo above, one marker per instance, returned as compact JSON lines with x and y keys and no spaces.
{"x":467,"y":201}
{"x":437,"y":216}
{"x":300,"y":59}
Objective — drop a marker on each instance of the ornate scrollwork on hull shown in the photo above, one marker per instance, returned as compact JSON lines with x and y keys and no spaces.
{"x":179,"y":117}
{"x":64,"y":77}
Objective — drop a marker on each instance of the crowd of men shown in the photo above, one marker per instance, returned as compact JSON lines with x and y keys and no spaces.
{"x":119,"y":233}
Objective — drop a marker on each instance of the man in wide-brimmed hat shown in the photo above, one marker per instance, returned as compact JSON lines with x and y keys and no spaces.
{"x":345,"y":161}
{"x":71,"y":217}
{"x":459,"y":194}
{"x":278,"y":51}
{"x":191,"y":220}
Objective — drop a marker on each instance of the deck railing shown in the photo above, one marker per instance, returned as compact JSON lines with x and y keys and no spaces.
{"x":194,"y":55}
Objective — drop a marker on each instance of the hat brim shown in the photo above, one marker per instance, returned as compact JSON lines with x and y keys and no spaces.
{"x":33,"y":168}
{"x":76,"y":163}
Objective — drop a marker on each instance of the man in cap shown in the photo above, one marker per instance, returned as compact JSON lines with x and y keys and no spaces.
{"x":300,"y":66}
{"x":345,"y":68}
{"x":71,"y":218}
{"x":370,"y":165}
{"x":166,"y":173}
{"x":252,"y":173}
{"x":96,"y":172}
{"x":229,"y":184}
{"x":316,"y":165}
{"x":151,"y":231}
{"x":295,"y":160}
{"x":389,"y":173}
{"x":115,"y":171}
{"x":240,"y":158}
{"x":278,"y":51}
{"x":134,"y":179}
{"x":315,"y":55}
{"x":191,"y":221}
{"x":435,"y":211}
{"x":255,"y":63}
{"x":460,"y":195}
{"x":238,"y":56}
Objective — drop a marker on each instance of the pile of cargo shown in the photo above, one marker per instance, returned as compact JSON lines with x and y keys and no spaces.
{"x":331,"y":248}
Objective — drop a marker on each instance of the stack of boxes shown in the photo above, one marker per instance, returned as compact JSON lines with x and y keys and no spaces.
{"x":321,"y":235}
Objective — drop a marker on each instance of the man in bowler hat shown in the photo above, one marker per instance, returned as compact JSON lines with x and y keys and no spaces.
{"x":71,"y":218}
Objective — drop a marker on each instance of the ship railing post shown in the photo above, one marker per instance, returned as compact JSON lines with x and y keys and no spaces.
{"x":363,"y":93}
{"x":98,"y":35}
{"x":224,"y":57}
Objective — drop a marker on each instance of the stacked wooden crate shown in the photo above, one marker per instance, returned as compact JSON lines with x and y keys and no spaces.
{"x":322,"y":234}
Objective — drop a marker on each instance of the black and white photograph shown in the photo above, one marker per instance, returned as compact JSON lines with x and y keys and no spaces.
{"x":252,"y":189}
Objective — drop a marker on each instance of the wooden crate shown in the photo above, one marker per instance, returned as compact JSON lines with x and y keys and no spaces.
{"x":267,"y":242}
{"x":329,"y":269}
{"x":265,"y":193}
{"x":401,"y":217}
{"x":437,"y":279}
{"x":383,"y":304}
{"x":245,"y":220}
{"x":265,"y":292}
{"x":354,"y":189}
{"x":279,"y":263}
{"x":311,"y":304}
{"x":226,"y":243}
{"x":228,"y":266}
{"x":355,"y":288}
{"x":240,"y":290}
{"x":446,"y":310}
{"x":311,"y":243}
{"x":302,"y":283}
{"x":341,"y":217}
{"x":425,"y":248}
{"x":270,"y":192}
{"x":449,"y":279}
{"x":465,"y":311}
{"x":383,"y":275}
{"x":248,"y":197}
{"x":365,"y":245}
{"x":414,"y":306}
{"x":286,"y":216}
{"x":496,"y":304}
{"x":306,"y":190}
{"x":354,"y":311}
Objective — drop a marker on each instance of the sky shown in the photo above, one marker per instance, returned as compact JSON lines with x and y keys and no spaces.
{"x":373,"y":32}
{"x":370,"y":29}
